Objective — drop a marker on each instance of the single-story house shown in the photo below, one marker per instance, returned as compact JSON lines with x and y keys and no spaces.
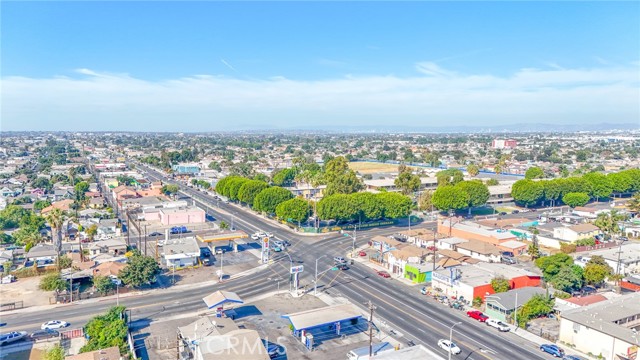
{"x":501,"y":305}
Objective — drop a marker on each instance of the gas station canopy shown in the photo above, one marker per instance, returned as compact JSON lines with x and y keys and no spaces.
{"x":220,"y":297}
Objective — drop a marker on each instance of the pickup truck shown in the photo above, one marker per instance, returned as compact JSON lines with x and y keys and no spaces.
{"x":478,"y":315}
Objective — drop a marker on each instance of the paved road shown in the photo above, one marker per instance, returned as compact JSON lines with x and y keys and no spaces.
{"x":416,"y":317}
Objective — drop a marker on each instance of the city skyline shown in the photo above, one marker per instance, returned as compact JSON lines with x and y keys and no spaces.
{"x":224,"y":66}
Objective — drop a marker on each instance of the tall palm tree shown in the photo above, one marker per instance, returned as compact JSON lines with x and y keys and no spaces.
{"x":56,"y":218}
{"x":608,"y":222}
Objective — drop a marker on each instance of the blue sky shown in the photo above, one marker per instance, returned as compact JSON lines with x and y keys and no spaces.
{"x":194,"y":66}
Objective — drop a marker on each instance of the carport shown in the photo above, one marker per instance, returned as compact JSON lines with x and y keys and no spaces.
{"x":314,"y":326}
{"x":217,"y":237}
{"x":218,"y":299}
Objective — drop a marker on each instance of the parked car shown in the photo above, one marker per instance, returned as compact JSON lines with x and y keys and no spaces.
{"x":362,"y":253}
{"x":179,"y":230}
{"x":423,"y":291}
{"x":508,"y":260}
{"x":161,"y":243}
{"x":449,"y":346}
{"x":498,"y":325}
{"x":572,"y":357}
{"x":54,"y":324}
{"x":478,"y":315}
{"x":44,"y":334}
{"x":8,"y":279}
{"x":384,"y":274}
{"x":10,"y":337}
{"x":278,"y":243}
{"x":515,"y":211}
{"x":155,"y":234}
{"x":503,"y":213}
{"x":552,"y":349}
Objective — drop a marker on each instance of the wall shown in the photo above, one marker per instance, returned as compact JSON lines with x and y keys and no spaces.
{"x":589,"y":340}
{"x":184,"y":217}
{"x":524,"y":281}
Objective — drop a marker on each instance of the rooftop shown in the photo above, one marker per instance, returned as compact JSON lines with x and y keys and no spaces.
{"x":610,"y":317}
{"x":326,"y":315}
{"x":507,"y":299}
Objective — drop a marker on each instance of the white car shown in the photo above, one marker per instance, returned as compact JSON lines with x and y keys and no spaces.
{"x":11,"y":337}
{"x":269,"y":235}
{"x":255,"y":236}
{"x":54,"y":324}
{"x":448,"y":346}
{"x":498,"y":325}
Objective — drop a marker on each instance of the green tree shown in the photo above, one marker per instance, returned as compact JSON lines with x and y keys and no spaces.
{"x":284,"y":177}
{"x":295,"y":210}
{"x":608,"y":221}
{"x":233,"y":188}
{"x":92,"y":231}
{"x":250,"y":189}
{"x":568,"y":278}
{"x":534,"y":172}
{"x":81,"y":188}
{"x":65,"y":262}
{"x":473,"y":170}
{"x":140,"y":270}
{"x":596,"y":270}
{"x":449,"y":177}
{"x":500,"y":284}
{"x":214,"y":165}
{"x":56,"y":218}
{"x":41,"y":204}
{"x":621,"y":182}
{"x":54,"y":353}
{"x":450,"y":197}
{"x":551,"y":265}
{"x":406,"y":181}
{"x":574,"y":199}
{"x":369,"y":206}
{"x":533,"y":251}
{"x":103,"y":284}
{"x":634,"y":203}
{"x":107,"y":330}
{"x":224,"y":225}
{"x":339,"y":207}
{"x":339,"y":178}
{"x":268,"y":199}
{"x":527,"y":192}
{"x":52,"y":282}
{"x":477,"y":191}
{"x":424,"y":201}
{"x":170,"y":189}
{"x":395,"y":205}
{"x":600,"y":186}
{"x":493,"y":182}
{"x":537,"y":306}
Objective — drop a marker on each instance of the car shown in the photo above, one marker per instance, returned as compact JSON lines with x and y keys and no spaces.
{"x":179,"y":230}
{"x":423,"y":291}
{"x":515,"y":211}
{"x":384,"y":274}
{"x":286,"y":243}
{"x":13,"y":336}
{"x":572,"y":357}
{"x":362,"y":254}
{"x":269,"y":234}
{"x":498,"y":325}
{"x":44,"y":334}
{"x":478,"y":315}
{"x":255,"y":236}
{"x":155,"y":234}
{"x":343,"y":267}
{"x":204,"y":251}
{"x":278,"y":243}
{"x":272,"y":350}
{"x":54,"y":324}
{"x":339,"y":260}
{"x":160,"y":243}
{"x":205,"y":261}
{"x":552,"y":349}
{"x":503,"y":213}
{"x":508,"y":254}
{"x":219,"y":250}
{"x":508,"y":260}
{"x":276,"y":248}
{"x":449,"y":346}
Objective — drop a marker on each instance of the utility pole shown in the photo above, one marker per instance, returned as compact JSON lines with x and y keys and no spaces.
{"x":371,"y":309}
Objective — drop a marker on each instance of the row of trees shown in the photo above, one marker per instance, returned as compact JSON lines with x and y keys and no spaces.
{"x":464,"y":194}
{"x":574,"y":190}
{"x":364,"y":206}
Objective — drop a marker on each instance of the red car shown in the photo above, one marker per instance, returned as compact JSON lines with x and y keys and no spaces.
{"x":384,"y":274}
{"x":362,"y":253}
{"x":478,"y":315}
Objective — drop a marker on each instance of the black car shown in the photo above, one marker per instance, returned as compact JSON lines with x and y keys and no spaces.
{"x":503,"y":213}
{"x":515,"y":211}
{"x":44,"y":334}
{"x":342,"y":267}
{"x":155,"y":233}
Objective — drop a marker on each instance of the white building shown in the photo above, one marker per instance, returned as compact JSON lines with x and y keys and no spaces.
{"x":181,"y":252}
{"x":608,"y":328}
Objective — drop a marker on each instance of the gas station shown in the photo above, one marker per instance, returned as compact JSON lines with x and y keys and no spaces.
{"x":217,"y":237}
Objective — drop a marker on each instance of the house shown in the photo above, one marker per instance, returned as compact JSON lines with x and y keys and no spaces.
{"x":62,"y":193}
{"x":479,"y":250}
{"x":110,"y":246}
{"x":624,"y":258}
{"x":474,"y":280}
{"x":403,"y":255}
{"x":576,"y":232}
{"x":63,"y":205}
{"x":420,"y":237}
{"x":502,"y":305}
{"x":109,"y":268}
{"x":607,"y":328}
{"x":123,"y":192}
{"x":96,"y":202}
{"x":449,"y":243}
{"x":6,"y":256}
{"x":562,"y":305}
{"x":181,"y":252}
{"x":42,"y":252}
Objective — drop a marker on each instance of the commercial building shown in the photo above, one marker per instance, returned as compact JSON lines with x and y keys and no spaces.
{"x":474,"y":280}
{"x":181,"y":252}
{"x":610,"y":329}
{"x":504,"y":144}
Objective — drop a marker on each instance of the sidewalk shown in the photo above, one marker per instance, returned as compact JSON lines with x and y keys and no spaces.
{"x":539,"y":341}
{"x":365,"y":261}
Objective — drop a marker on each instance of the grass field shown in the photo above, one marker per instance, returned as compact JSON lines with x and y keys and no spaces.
{"x":372,"y":167}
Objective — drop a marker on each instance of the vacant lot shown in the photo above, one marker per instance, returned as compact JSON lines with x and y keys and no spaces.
{"x":25,"y":290}
{"x":372,"y":167}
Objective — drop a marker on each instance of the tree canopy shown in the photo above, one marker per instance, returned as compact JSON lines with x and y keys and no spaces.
{"x":250,"y":189}
{"x":268,"y":199}
{"x":107,"y":330}
{"x":339,"y":178}
{"x":406,"y":181}
{"x":574,"y":199}
{"x":395,"y":205}
{"x":449,"y":177}
{"x":140,"y":270}
{"x":477,"y":191}
{"x":528,"y":192}
{"x":500,"y":284}
{"x":284,"y":177}
{"x":295,"y":210}
{"x":597,"y":270}
{"x":534,"y":172}
{"x":450,"y":198}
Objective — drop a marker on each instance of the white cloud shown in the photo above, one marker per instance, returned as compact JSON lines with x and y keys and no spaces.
{"x":436,"y":97}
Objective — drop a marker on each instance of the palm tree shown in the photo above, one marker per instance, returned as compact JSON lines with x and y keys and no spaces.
{"x":608,"y":222}
{"x":56,"y":218}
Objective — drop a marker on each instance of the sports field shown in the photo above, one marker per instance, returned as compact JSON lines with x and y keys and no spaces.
{"x":372,"y":167}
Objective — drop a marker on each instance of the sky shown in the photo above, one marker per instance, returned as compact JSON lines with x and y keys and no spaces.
{"x":224,"y":66}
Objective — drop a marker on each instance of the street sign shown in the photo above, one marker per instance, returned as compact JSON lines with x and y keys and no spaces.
{"x":297,"y":269}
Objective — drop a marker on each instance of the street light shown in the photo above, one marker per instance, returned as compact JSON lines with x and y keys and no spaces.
{"x":315,"y":283}
{"x":451,"y":336}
